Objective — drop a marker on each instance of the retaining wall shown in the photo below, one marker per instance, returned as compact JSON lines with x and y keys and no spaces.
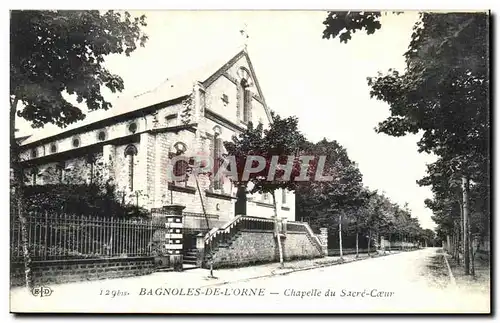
{"x":64,"y":271}
{"x":260,"y":246}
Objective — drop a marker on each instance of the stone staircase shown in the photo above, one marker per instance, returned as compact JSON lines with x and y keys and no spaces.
{"x":228,"y":233}
{"x":228,"y":242}
{"x":223,"y":241}
{"x":190,"y":259}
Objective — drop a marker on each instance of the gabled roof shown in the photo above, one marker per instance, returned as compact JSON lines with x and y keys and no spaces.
{"x":170,"y":89}
{"x":21,"y":139}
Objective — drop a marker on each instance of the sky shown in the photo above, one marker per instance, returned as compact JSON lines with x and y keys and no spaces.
{"x":322,"y":82}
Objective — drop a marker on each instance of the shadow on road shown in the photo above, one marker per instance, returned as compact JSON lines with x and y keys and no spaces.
{"x":436,"y":272}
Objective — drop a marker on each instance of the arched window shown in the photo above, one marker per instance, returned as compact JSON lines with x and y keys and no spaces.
{"x":101,"y":135}
{"x":76,"y":142}
{"x":181,"y":166}
{"x":34,"y":174}
{"x":244,"y":96}
{"x":91,"y":163}
{"x":246,"y":100}
{"x":217,"y":156}
{"x":60,"y":171}
{"x":132,"y":127}
{"x":130,"y":152}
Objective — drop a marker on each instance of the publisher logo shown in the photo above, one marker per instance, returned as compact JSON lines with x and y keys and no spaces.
{"x":41,"y":291}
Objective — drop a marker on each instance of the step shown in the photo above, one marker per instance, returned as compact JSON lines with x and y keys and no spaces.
{"x":164,"y":270}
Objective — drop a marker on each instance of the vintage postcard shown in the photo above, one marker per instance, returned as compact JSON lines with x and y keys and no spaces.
{"x":250,"y":161}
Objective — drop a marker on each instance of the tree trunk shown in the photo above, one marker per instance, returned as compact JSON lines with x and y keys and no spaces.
{"x":278,"y":238}
{"x":472,"y":258}
{"x":240,"y":207}
{"x":472,"y":255}
{"x":457,"y":243}
{"x":466,"y":229}
{"x":17,"y":183}
{"x":448,"y":243}
{"x":369,"y":240}
{"x":340,"y":235}
{"x":357,"y":242}
{"x":452,"y":246}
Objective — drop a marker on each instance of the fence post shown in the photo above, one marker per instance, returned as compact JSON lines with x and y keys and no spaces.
{"x":200,"y":247}
{"x":324,"y":240}
{"x":168,"y":240}
{"x":46,"y":236}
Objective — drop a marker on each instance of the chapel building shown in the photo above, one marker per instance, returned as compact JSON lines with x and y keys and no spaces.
{"x":132,"y":143}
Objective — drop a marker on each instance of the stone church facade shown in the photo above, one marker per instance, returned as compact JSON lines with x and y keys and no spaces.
{"x":132,"y":143}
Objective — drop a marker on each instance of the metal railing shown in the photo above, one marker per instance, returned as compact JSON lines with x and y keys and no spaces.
{"x":295,"y":227}
{"x":65,"y":236}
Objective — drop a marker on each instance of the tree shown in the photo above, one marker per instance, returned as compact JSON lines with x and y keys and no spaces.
{"x":280,"y":143}
{"x":248,"y":142}
{"x":53,"y":53}
{"x":429,"y":237}
{"x":443,"y":92}
{"x":359,"y":213}
{"x":338,"y":196}
{"x":374,"y":219}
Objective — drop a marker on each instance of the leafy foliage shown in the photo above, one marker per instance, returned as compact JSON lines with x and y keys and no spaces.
{"x":56,"y":52}
{"x":323,"y":200}
{"x":442,"y":94}
{"x":444,"y":90}
{"x":282,"y":140}
{"x":53,"y":52}
{"x":342,"y":23}
{"x":89,"y":200}
{"x":345,"y":199}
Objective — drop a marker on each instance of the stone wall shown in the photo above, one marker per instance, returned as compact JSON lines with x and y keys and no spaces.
{"x":249,"y":247}
{"x":259,"y":246}
{"x":298,"y":245}
{"x":64,"y":271}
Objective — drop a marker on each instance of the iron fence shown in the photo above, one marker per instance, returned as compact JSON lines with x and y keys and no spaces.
{"x":65,"y":236}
